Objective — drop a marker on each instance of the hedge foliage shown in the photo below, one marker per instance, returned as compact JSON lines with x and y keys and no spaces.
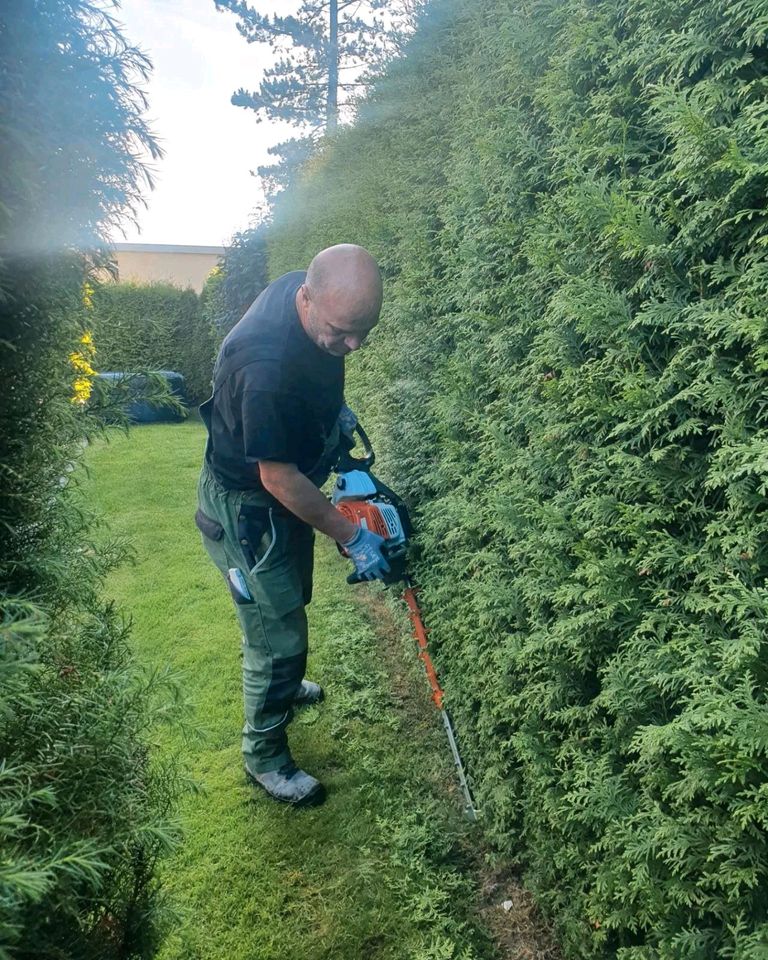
{"x":154,"y":326}
{"x":569,"y":383}
{"x":83,"y":809}
{"x":240,"y":278}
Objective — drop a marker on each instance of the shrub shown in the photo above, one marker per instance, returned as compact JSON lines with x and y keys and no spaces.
{"x":567,"y":200}
{"x":233,"y":287}
{"x":83,"y":809}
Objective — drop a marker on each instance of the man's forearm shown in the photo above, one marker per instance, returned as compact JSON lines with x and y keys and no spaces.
{"x":288,"y":485}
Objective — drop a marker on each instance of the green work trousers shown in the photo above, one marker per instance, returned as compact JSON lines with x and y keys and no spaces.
{"x":265,"y":554}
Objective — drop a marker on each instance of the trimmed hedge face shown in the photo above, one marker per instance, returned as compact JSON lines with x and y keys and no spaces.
{"x":568,"y":382}
{"x":154,"y":326}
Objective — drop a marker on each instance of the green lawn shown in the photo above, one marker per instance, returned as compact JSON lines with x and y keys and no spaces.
{"x":383,"y":869}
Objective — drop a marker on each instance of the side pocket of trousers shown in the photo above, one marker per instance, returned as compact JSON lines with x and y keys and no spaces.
{"x":258,"y":534}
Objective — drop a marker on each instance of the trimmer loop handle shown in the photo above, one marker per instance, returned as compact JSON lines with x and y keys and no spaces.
{"x":348,"y":462}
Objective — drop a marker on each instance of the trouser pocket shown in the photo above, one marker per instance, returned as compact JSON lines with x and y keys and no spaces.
{"x":278,"y":547}
{"x":208,"y":526}
{"x":257,"y":533}
{"x":214,"y":539}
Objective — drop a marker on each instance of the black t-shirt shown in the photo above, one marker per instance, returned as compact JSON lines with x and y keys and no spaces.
{"x":276,"y":394}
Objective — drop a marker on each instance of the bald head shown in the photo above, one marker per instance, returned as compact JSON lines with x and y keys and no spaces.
{"x":340,"y":301}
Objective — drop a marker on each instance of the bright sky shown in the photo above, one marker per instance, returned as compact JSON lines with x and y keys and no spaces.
{"x":204,"y":190}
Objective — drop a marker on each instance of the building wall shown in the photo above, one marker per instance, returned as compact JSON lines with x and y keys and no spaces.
{"x":183,"y":266}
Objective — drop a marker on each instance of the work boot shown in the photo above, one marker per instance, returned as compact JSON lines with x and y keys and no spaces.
{"x":309,"y":694}
{"x":290,"y":785}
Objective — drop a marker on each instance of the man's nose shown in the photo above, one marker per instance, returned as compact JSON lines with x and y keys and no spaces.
{"x":353,"y":343}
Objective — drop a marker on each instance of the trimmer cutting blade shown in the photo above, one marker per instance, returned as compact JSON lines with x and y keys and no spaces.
{"x":366,"y":501}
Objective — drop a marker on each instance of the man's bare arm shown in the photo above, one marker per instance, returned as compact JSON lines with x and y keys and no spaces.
{"x":296,"y":492}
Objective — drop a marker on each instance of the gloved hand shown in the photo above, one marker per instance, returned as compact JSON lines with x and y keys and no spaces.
{"x":347,"y":421}
{"x":364,"y":551}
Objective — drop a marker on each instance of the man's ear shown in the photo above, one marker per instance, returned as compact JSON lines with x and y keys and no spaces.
{"x":302,"y":300}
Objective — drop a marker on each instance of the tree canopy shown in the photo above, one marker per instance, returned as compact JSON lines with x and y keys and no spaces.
{"x":320,"y":51}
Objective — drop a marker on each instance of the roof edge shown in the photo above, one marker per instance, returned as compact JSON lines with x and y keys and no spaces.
{"x":165,"y":248}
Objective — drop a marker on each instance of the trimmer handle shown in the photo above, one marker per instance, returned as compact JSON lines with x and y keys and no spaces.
{"x":348,"y":462}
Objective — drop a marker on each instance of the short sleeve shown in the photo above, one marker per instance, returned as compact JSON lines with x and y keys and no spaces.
{"x":271,"y":426}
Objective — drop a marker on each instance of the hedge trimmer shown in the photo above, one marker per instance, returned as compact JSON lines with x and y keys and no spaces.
{"x":367,"y":502}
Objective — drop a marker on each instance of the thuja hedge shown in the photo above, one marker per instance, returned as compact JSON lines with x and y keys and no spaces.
{"x":139,"y":326}
{"x":83,"y":807}
{"x":235,"y":284}
{"x":569,"y":383}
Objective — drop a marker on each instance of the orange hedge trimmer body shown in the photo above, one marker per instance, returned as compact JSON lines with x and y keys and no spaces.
{"x":367,"y":502}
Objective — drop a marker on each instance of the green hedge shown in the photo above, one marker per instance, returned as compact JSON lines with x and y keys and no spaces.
{"x":569,"y":383}
{"x":83,"y":808}
{"x":154,"y":326}
{"x":241,"y":277}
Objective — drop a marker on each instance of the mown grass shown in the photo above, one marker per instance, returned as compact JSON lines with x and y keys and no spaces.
{"x":381,"y":870}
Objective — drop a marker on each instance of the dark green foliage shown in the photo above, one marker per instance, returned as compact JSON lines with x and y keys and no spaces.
{"x":83,"y":811}
{"x":153,"y":326}
{"x":82,"y":808}
{"x":56,"y":56}
{"x":231,"y":289}
{"x":568,"y":201}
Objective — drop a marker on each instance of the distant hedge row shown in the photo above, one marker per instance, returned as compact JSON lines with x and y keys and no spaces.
{"x":154,"y":326}
{"x":569,"y":383}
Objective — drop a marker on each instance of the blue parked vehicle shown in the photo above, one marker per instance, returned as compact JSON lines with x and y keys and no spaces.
{"x":139,"y":410}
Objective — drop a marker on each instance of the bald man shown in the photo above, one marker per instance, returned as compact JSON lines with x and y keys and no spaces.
{"x":274,"y":425}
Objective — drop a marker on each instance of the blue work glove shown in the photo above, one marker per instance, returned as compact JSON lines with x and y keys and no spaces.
{"x":347,"y":421}
{"x":364,"y":551}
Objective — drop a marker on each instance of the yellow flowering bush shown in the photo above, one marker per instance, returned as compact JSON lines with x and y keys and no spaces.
{"x":82,"y":359}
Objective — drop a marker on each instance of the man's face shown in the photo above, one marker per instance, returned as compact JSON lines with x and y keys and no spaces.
{"x":327,"y":325}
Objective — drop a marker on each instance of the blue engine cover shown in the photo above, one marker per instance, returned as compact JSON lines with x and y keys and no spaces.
{"x":353,"y":485}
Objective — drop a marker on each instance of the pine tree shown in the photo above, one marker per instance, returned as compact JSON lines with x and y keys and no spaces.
{"x":321,"y":52}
